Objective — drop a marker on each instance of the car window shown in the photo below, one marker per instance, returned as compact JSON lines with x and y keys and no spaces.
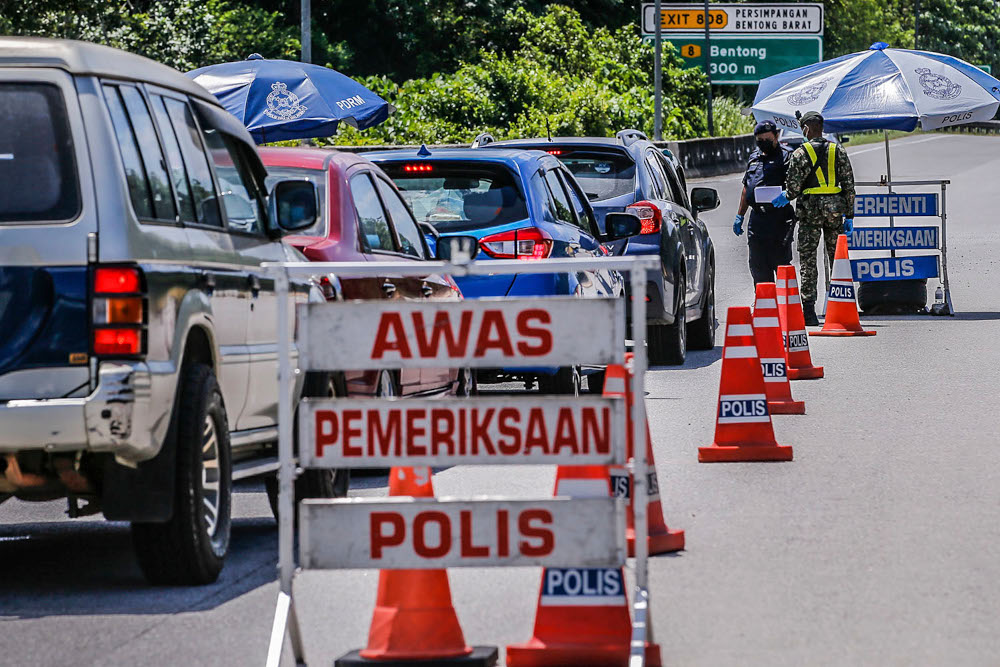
{"x":601,"y":175}
{"x":673,"y":184}
{"x":243,"y":203}
{"x":562,"y":209}
{"x":203,"y":195}
{"x":140,"y":191}
{"x":178,"y":173}
{"x":37,"y":164}
{"x":318,"y":178}
{"x":459,"y":196}
{"x":151,"y":153}
{"x":374,"y":224}
{"x":576,"y":203}
{"x":656,"y":176}
{"x":402,"y":220}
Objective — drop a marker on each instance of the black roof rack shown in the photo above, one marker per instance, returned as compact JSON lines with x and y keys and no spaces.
{"x":482,"y":139}
{"x":629,"y":137}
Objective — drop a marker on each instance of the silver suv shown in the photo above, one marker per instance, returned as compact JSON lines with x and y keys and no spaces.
{"x":138,"y":365}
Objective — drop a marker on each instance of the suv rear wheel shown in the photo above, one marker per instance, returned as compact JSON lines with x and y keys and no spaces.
{"x":191,"y":547}
{"x":701,"y":332}
{"x":667,"y":343}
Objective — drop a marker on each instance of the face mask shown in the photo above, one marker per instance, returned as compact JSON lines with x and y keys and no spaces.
{"x":765,"y":145}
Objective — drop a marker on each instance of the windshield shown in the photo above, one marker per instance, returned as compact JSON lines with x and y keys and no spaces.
{"x":601,"y":175}
{"x":456,"y":197}
{"x":317,"y":176}
{"x":37,"y":168}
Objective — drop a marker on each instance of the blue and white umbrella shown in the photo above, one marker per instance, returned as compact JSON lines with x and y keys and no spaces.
{"x":881,"y":89}
{"x":284,"y":99}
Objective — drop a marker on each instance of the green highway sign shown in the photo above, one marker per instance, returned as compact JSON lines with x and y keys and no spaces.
{"x":986,"y":68}
{"x":748,"y":59}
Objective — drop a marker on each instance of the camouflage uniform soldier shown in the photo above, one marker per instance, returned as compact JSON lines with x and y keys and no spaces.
{"x":821,"y":178}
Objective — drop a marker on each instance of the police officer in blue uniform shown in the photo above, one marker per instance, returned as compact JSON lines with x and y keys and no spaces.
{"x":770,"y":229}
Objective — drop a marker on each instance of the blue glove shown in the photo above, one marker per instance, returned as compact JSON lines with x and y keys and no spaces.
{"x":738,"y":225}
{"x":848,"y":225}
{"x":780,"y":200}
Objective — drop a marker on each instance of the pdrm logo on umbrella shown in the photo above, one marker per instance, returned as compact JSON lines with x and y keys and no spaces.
{"x":808,"y":94}
{"x":937,"y":86}
{"x":350,"y":103}
{"x":283,"y":104}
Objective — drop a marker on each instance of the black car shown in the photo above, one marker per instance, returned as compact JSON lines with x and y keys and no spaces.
{"x":630,"y":172}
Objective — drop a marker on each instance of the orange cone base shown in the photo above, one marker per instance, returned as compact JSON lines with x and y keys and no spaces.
{"x":748,"y":452}
{"x":786,"y":407}
{"x":481,"y":656}
{"x":657,"y":543}
{"x":805,"y":373}
{"x":536,"y":653}
{"x":842,"y":332}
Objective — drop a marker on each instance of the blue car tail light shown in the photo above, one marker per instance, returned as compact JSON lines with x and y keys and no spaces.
{"x":528,"y":243}
{"x":650,"y":215}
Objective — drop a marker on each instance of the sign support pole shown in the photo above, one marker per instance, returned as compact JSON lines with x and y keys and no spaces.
{"x":306,"y":31}
{"x":708,"y":70}
{"x":658,"y":77}
{"x":640,"y":475}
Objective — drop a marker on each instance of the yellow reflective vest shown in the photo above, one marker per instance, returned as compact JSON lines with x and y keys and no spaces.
{"x":825,"y":182}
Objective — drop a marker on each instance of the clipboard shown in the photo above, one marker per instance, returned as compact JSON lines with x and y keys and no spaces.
{"x":765,"y":194}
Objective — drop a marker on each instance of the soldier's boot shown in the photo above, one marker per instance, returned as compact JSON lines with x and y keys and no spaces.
{"x":809,"y":312}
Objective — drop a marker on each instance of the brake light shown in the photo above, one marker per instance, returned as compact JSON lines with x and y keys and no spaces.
{"x":410,"y":168}
{"x":554,"y":151}
{"x":650,"y":215}
{"x":118,"y":312}
{"x":529,"y":243}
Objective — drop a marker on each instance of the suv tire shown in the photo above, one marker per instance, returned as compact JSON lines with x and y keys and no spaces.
{"x":667,"y":343}
{"x":701,"y":332}
{"x":190,"y":548}
{"x":565,"y":381}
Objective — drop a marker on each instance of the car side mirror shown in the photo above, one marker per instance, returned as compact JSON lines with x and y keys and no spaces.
{"x":844,"y":139}
{"x":704,"y":199}
{"x":294,"y":204}
{"x":621,"y":225}
{"x":457,"y":249}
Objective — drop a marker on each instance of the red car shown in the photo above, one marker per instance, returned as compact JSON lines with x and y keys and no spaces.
{"x":365,"y":219}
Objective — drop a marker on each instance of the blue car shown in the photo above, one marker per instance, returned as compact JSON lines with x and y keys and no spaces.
{"x":519,"y":204}
{"x":628,"y":172}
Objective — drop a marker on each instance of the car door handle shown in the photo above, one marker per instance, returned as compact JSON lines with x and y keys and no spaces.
{"x":208,"y":280}
{"x":388,"y":288}
{"x":427,"y":290}
{"x":254,"y":283}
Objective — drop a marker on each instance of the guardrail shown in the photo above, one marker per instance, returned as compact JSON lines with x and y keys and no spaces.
{"x":982,"y":127}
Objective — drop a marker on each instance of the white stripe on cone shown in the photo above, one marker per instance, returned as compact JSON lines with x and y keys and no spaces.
{"x":739,"y":330}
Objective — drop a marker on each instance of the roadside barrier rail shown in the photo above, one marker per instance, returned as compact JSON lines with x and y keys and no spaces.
{"x":480,"y":333}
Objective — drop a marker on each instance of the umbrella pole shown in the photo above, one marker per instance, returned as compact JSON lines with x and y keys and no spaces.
{"x":888,"y":178}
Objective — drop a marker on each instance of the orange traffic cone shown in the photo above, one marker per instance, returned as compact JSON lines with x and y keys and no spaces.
{"x":770,"y":349}
{"x":583,"y":617}
{"x":841,"y":305}
{"x":743,"y":430}
{"x":793,"y":327}
{"x":660,"y":539}
{"x":415,"y":622}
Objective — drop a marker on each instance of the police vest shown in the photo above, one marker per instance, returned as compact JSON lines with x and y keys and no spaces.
{"x":820,"y":182}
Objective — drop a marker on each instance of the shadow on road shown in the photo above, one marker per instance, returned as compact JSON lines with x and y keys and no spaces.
{"x":695,"y":359}
{"x":83,"y":568}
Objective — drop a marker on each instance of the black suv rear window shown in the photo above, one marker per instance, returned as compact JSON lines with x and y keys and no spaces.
{"x":37,"y":164}
{"x":455,"y":197}
{"x":601,"y":175}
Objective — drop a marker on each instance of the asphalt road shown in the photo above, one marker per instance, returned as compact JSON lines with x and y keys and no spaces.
{"x":879,"y":544}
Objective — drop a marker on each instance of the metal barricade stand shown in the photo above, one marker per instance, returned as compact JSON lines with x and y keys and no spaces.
{"x":940,"y":210}
{"x":286,"y":623}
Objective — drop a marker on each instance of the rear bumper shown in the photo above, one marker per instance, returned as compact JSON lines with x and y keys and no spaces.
{"x":117,"y":418}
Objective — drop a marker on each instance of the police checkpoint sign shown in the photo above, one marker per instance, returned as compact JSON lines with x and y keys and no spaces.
{"x":379,"y":433}
{"x":895,"y":268}
{"x":481,"y":333}
{"x":896,"y":204}
{"x":430,"y":533}
{"x":893,"y":238}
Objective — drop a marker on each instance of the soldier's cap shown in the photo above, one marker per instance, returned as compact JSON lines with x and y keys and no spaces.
{"x":765,"y":126}
{"x":811,"y":117}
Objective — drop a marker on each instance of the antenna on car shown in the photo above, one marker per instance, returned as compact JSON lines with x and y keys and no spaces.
{"x":424,"y":151}
{"x":548,"y":130}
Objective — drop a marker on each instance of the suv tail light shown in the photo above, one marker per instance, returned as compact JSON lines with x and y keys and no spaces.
{"x":528,"y":243}
{"x":649,"y":213}
{"x":119,"y":312}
